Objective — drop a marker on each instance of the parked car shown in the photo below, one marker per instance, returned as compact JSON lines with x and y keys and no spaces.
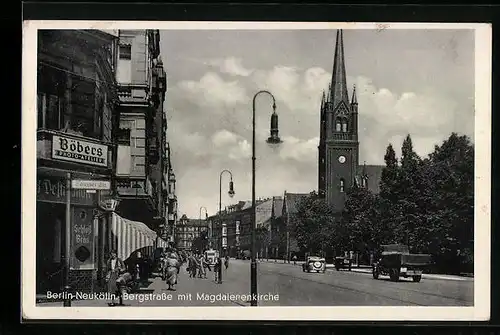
{"x":396,"y":261}
{"x":343,"y":263}
{"x":314,"y":263}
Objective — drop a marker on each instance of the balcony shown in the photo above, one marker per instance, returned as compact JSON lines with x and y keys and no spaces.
{"x":343,"y":137}
{"x":73,"y":149}
{"x":153,"y":148}
{"x":133,"y":94}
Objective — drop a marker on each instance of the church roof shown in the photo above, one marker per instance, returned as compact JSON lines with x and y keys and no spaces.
{"x":338,"y":90}
{"x":263,"y":212}
{"x":374,"y":174}
{"x":278,"y":206}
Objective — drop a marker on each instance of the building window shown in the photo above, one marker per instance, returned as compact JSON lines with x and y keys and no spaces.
{"x":337,"y":125}
{"x":124,"y":67}
{"x":344,"y":126}
{"x":67,"y":102}
{"x":342,"y":185}
{"x":125,"y":51}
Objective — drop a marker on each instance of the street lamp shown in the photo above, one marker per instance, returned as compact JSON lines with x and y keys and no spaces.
{"x":231,"y":194}
{"x":273,"y":139}
{"x":206,"y":213}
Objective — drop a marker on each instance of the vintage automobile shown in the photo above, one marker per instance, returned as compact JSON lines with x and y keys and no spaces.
{"x":211,"y":256}
{"x":314,"y":263}
{"x":396,"y":261}
{"x":343,"y":263}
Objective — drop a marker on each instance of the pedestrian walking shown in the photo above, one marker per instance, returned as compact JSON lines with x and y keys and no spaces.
{"x":202,"y":272}
{"x":141,"y":267}
{"x":226,"y":261}
{"x":115,"y":267}
{"x":173,"y":265}
{"x":294,"y":258}
{"x":191,"y":266}
{"x":217,"y":266}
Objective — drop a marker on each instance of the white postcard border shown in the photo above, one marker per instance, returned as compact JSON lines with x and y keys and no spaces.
{"x":482,"y":139}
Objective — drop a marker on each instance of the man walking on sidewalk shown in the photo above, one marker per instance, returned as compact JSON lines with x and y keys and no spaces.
{"x":217,"y":266}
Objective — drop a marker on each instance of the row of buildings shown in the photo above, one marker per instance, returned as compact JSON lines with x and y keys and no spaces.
{"x":102,"y":135}
{"x":233,"y":228}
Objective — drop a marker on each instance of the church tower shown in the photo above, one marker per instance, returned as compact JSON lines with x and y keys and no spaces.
{"x":338,"y":145}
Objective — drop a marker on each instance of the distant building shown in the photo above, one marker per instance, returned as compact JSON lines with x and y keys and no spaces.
{"x":188,"y":230}
{"x":237,"y":219}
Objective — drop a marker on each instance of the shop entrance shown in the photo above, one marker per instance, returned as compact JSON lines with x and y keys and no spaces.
{"x":50,"y":224}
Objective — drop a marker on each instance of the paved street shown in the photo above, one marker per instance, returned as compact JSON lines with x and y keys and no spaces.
{"x":296,"y":288}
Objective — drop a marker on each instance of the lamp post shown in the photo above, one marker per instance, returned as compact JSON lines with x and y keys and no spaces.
{"x":206,"y":214}
{"x":231,"y":194}
{"x":273,"y":139}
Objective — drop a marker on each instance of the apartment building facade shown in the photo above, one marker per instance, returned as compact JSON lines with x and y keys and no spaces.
{"x":188,"y":231}
{"x":76,"y":110}
{"x":143,"y":176}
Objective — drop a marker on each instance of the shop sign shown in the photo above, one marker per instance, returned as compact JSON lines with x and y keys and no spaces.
{"x":224,"y":230}
{"x":224,"y":242}
{"x":53,"y":189}
{"x":90,"y":184}
{"x":82,"y":239}
{"x":78,"y":151}
{"x":237,"y":227}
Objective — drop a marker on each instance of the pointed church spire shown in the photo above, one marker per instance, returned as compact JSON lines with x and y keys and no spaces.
{"x":323,"y":100}
{"x":363,"y":172}
{"x":354,"y":97}
{"x":338,"y":91}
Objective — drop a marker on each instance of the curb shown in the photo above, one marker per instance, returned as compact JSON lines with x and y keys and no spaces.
{"x":367,"y":270}
{"x":425,"y":276}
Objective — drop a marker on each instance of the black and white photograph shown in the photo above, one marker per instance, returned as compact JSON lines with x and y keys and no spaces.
{"x":312,"y":171}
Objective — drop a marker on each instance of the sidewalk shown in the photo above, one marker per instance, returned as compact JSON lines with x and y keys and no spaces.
{"x":189,"y":292}
{"x":368,"y":270}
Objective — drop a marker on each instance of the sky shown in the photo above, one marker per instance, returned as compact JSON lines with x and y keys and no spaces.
{"x":417,"y":82}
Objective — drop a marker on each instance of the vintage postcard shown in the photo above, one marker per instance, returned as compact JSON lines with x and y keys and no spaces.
{"x":256,"y":171}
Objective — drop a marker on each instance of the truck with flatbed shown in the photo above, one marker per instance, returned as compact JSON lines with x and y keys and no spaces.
{"x":396,"y":261}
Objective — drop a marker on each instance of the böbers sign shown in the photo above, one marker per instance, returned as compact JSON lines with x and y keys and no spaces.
{"x":78,"y":151}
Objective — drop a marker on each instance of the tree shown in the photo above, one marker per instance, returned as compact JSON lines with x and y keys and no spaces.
{"x":200,"y":243}
{"x":315,"y":224}
{"x":362,"y":218}
{"x":390,"y":173}
{"x":411,"y":212}
{"x":387,"y":201}
{"x":451,"y":171}
{"x":263,"y":238}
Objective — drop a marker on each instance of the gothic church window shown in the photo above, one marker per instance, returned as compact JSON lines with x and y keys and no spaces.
{"x":344,"y":126}
{"x":337,"y":125}
{"x":342,"y":185}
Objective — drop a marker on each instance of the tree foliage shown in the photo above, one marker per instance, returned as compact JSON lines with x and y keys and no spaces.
{"x":427,"y":204}
{"x":262,"y":238}
{"x":200,"y":243}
